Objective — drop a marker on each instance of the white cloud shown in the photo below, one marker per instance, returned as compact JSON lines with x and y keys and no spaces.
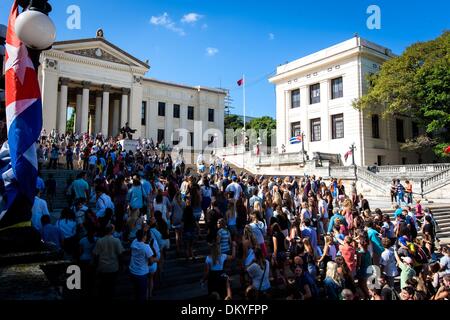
{"x":211,"y":52}
{"x":165,"y":21}
{"x":191,"y":17}
{"x":271,"y":36}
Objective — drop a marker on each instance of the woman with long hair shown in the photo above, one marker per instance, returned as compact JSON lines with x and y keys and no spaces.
{"x":163,"y":229}
{"x":190,"y":229}
{"x":259,"y":273}
{"x":333,"y":283}
{"x":279,"y":252}
{"x":214,"y":270}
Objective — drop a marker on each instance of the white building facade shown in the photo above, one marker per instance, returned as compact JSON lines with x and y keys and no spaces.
{"x":314,"y":96}
{"x":107,"y":87}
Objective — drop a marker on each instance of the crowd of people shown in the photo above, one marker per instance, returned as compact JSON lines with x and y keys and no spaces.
{"x":295,"y":238}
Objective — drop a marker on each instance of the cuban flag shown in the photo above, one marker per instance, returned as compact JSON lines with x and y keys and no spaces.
{"x":296,"y":140}
{"x":18,"y":158}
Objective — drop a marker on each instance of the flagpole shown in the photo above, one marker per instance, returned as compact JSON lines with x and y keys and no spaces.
{"x":243,"y":89}
{"x":245,"y":124}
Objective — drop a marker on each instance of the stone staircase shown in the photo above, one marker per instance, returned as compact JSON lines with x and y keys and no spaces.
{"x":61,"y":176}
{"x":441,"y":214}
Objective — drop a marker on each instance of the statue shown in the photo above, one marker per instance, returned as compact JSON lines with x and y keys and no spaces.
{"x":100,"y":33}
{"x":127,"y":132}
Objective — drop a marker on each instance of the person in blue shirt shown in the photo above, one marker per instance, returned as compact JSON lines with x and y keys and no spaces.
{"x":375,"y":239}
{"x":40,"y":184}
{"x":136,"y":195}
{"x":51,"y":234}
{"x":336,"y":215}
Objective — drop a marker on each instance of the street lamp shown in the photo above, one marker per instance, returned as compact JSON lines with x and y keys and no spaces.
{"x":303,"y":147}
{"x":352,"y":150}
{"x":33,"y":26}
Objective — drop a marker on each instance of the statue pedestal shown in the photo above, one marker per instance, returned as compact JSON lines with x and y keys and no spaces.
{"x":129,"y":145}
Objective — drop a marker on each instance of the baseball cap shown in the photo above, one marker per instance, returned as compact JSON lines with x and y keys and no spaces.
{"x":407,"y":260}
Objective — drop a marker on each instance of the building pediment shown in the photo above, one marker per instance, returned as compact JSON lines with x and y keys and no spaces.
{"x":99,"y":49}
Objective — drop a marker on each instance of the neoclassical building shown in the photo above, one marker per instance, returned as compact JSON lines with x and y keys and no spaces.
{"x":107,"y":88}
{"x":314,"y":96}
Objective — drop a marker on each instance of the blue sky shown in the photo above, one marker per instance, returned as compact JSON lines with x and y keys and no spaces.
{"x":218,"y":41}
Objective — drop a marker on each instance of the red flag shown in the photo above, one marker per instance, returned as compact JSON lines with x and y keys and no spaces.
{"x":240,"y":82}
{"x":349,"y":153}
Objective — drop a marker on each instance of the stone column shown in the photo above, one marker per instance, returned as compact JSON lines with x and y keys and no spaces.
{"x":62,"y":120}
{"x":124,"y":107}
{"x":325,"y":122}
{"x":85,"y":107}
{"x":135,"y":107}
{"x":168,"y":124}
{"x":116,"y":117}
{"x":152,"y":120}
{"x":105,"y":110}
{"x":98,"y":112}
{"x":78,"y":111}
{"x":49,"y":99}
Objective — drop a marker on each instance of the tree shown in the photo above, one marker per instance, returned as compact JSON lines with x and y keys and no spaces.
{"x":71,"y":123}
{"x":416,"y":84}
{"x":264,"y":123}
{"x":233,"y":122}
{"x":418,"y":145}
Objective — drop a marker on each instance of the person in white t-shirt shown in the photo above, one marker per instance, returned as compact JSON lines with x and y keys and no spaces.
{"x":39,"y":209}
{"x":259,"y":272}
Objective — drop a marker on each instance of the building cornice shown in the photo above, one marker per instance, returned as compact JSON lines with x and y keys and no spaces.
{"x":179,"y":85}
{"x":327,"y":61}
{"x":63,"y":56}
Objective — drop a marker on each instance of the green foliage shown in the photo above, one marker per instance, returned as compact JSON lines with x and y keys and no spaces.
{"x":70,"y":123}
{"x":417,"y":84}
{"x":264,"y":123}
{"x":233,"y":121}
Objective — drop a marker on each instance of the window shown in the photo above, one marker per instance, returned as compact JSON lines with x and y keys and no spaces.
{"x":143,"y":112}
{"x":337,"y":126}
{"x":400,"y":130}
{"x":191,"y":113}
{"x":375,"y":126}
{"x":160,"y":135}
{"x":176,"y":111}
{"x":295,"y":98}
{"x":315,"y":129}
{"x":415,"y":130}
{"x":211,"y":115}
{"x":337,"y":89}
{"x":296,"y":129}
{"x":161,"y":109}
{"x":380,"y":160}
{"x":314,"y":93}
{"x":191,"y":138}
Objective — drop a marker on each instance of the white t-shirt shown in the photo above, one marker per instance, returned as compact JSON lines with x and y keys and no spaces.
{"x":389,"y":262}
{"x":260,"y":277}
{"x":140,"y":253}
{"x":236,"y":188}
{"x":217,"y":266}
{"x":323,"y":204}
{"x":39,"y":209}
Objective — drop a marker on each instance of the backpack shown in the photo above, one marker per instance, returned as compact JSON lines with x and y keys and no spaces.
{"x":420,"y":256}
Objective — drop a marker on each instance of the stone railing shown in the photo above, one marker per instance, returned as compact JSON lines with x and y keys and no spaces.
{"x":373,"y":180}
{"x":435,"y":182}
{"x":412,"y":169}
{"x":342,"y":172}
